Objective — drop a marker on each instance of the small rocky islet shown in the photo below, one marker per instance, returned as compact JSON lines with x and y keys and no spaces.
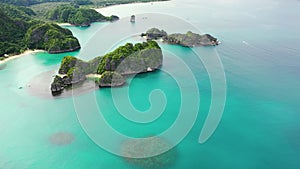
{"x":189,"y":39}
{"x":111,"y":69}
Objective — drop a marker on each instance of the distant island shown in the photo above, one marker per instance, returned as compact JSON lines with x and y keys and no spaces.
{"x":189,"y":39}
{"x":20,"y":31}
{"x":111,"y":69}
{"x":77,"y":16}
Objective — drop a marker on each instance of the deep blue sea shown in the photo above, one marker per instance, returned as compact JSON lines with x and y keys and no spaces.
{"x":259,"y":57}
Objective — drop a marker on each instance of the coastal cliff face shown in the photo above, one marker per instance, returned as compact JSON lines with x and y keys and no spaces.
{"x":111,"y":79}
{"x":189,"y":39}
{"x":111,"y":69}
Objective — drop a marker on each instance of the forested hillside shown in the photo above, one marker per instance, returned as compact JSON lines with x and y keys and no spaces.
{"x":77,"y":16}
{"x":77,"y":2}
{"x":22,"y":28}
{"x":33,"y":2}
{"x":20,"y":31}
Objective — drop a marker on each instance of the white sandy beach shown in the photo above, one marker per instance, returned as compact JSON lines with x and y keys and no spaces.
{"x":27,"y":52}
{"x":64,"y":24}
{"x":118,"y":10}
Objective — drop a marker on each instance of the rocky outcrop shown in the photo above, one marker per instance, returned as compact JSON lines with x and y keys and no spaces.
{"x":57,"y":85}
{"x":71,"y":49}
{"x":71,"y":72}
{"x":189,"y":39}
{"x":132,"y":18}
{"x":60,"y":83}
{"x":113,"y":18}
{"x":154,"y":34}
{"x":111,"y":79}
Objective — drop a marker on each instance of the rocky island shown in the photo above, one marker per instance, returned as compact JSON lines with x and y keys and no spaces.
{"x":189,"y":39}
{"x":111,"y":69}
{"x":52,"y":38}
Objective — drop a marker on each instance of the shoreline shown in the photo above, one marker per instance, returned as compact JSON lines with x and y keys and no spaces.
{"x":27,"y":52}
{"x":98,"y":9}
{"x":101,"y":7}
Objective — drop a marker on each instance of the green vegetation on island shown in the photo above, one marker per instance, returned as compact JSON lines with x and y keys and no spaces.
{"x":33,"y":2}
{"x":77,"y":16}
{"x":129,"y":59}
{"x":19,"y":31}
{"x":101,"y":3}
{"x":109,"y":70}
{"x":189,"y":39}
{"x":51,"y":38}
{"x":75,"y":2}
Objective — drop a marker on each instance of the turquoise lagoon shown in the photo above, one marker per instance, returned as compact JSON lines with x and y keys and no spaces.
{"x":260,"y":125}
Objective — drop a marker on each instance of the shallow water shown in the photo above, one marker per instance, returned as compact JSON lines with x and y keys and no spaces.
{"x":259,"y":128}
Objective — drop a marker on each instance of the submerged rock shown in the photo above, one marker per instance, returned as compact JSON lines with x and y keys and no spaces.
{"x":2,"y":66}
{"x":61,"y":138}
{"x":146,"y":147}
